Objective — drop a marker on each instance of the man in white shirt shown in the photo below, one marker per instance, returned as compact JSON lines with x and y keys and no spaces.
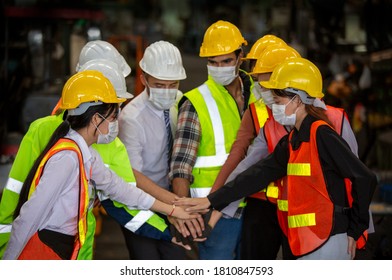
{"x":146,"y":127}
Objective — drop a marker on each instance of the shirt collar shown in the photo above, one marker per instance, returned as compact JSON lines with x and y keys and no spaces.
{"x":72,"y":134}
{"x":303,"y":134}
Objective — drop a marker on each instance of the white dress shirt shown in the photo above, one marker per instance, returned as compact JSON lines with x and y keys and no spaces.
{"x":54,"y":204}
{"x":142,"y":130}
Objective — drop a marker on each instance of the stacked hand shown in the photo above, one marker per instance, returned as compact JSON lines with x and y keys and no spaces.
{"x":185,"y":232}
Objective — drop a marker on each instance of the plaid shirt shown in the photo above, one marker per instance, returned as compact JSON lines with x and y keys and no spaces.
{"x":188,"y":135}
{"x":186,"y":143}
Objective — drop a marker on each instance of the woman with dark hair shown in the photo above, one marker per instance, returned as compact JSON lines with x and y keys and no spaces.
{"x":325,"y":213}
{"x":51,"y":217}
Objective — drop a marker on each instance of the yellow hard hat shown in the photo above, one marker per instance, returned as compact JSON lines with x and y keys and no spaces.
{"x":221,"y":38}
{"x":259,"y":46}
{"x":273,"y":56}
{"x":89,"y":86}
{"x":296,"y":74}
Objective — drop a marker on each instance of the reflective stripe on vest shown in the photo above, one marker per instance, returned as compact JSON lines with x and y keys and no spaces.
{"x":61,"y":145}
{"x":219,"y":120}
{"x":298,"y":169}
{"x":107,"y":151}
{"x":273,"y":131}
{"x":200,"y":192}
{"x":5,"y":228}
{"x":303,"y":220}
{"x":282,"y":205}
{"x":272,"y":191}
{"x":138,"y":217}
{"x":138,"y":220}
{"x":259,"y":114}
{"x":220,"y":151}
{"x":14,"y":185}
{"x":309,"y":205}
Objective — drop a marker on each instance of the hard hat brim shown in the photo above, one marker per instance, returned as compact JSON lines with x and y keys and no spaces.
{"x":267,"y":84}
{"x":126,"y":95}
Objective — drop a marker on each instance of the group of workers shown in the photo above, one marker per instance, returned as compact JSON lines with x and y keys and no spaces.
{"x":247,"y":164}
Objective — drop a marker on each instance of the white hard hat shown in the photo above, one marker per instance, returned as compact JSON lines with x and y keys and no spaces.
{"x":110,"y":70}
{"x":162,"y":60}
{"x":102,"y":50}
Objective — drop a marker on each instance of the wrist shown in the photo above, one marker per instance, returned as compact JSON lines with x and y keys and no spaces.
{"x":172,"y":211}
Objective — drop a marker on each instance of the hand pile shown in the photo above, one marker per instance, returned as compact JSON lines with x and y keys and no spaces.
{"x":180,"y":238}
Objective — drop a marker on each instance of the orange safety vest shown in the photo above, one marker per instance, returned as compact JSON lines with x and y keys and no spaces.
{"x":261,"y":115}
{"x":310,"y":210}
{"x":61,"y":145}
{"x":273,"y":132}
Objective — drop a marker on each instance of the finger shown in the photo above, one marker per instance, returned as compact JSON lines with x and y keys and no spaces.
{"x":198,"y":228}
{"x":191,"y":228}
{"x":177,"y":226}
{"x":196,"y":208}
{"x":194,"y":216}
{"x":200,"y":239}
{"x":183,"y":229}
{"x":351,"y":248}
{"x":187,"y":247}
{"x":201,"y":222}
{"x":183,"y":202}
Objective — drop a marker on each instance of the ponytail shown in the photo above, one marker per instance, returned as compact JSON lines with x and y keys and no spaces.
{"x":74,"y":122}
{"x":59,"y":133}
{"x":318,"y":113}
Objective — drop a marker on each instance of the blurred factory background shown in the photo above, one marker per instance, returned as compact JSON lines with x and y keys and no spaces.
{"x":349,"y":40}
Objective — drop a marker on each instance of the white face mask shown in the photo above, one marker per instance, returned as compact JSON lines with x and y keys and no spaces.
{"x":163,"y":98}
{"x":260,"y":92}
{"x":280,"y":116}
{"x":268,"y":98}
{"x":223,"y":75}
{"x":112,"y":134}
{"x":256,"y":90}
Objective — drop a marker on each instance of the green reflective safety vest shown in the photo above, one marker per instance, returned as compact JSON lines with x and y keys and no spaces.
{"x":30,"y":148}
{"x":219,"y":120}
{"x":115,"y":156}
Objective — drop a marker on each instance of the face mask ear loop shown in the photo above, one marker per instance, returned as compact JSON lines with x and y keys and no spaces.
{"x":300,"y":102}
{"x":96,"y":126}
{"x":147,"y":84}
{"x":237,"y":66}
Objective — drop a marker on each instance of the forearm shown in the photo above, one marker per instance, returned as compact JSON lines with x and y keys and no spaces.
{"x":147,"y":185}
{"x":215,"y":216}
{"x":244,"y":185}
{"x":245,"y":136}
{"x":161,"y":207}
{"x":181,"y":187}
{"x":185,"y":149}
{"x":252,"y":180}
